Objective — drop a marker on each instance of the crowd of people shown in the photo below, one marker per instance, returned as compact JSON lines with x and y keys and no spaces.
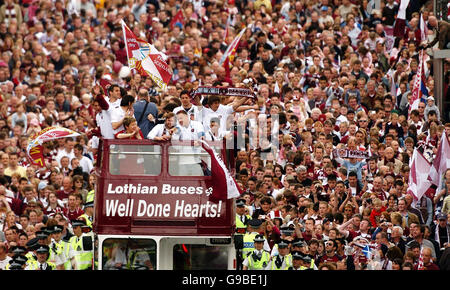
{"x":326,"y":74}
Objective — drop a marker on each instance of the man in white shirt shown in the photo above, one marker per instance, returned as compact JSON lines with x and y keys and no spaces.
{"x":187,"y":129}
{"x":217,"y":110}
{"x":163,"y":132}
{"x":102,"y":117}
{"x":85,"y":163}
{"x":193,"y":112}
{"x":189,"y":162}
{"x":215,"y":133}
{"x":69,"y":143}
{"x":114,"y":96}
{"x":119,"y":113}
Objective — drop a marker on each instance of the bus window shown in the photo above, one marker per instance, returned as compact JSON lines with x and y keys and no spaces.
{"x":129,"y":254}
{"x":189,"y":161}
{"x":135,"y":160}
{"x":199,"y":257}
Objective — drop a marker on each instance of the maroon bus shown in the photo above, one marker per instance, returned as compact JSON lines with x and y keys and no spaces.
{"x":153,"y":209}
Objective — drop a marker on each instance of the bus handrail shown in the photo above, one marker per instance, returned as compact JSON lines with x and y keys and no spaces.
{"x":131,"y":152}
{"x":158,"y":153}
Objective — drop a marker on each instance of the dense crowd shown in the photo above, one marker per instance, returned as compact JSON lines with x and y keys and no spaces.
{"x":326,"y":74}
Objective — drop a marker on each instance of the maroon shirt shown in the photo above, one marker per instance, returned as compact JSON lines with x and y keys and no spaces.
{"x":325,"y":258}
{"x":73,"y":215}
{"x":62,"y":194}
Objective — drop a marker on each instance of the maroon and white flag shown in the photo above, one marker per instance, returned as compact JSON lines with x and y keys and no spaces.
{"x":146,"y":59}
{"x":418,"y":183}
{"x":420,"y":265}
{"x":423,"y":29}
{"x":222,"y":182}
{"x":441,"y":162}
{"x":231,"y":49}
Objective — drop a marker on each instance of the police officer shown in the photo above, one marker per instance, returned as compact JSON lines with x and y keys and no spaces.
{"x":241,"y":218}
{"x":302,"y":247}
{"x":57,"y":254}
{"x":18,"y":261}
{"x":32,"y":245}
{"x":66,"y":234}
{"x":15,"y":264}
{"x":42,"y":236}
{"x":90,"y":196}
{"x":88,"y":215}
{"x":18,"y":251}
{"x":259,"y":258}
{"x":42,"y":254}
{"x":283,"y":260}
{"x":286,"y":235}
{"x":241,"y":228}
{"x":299,"y":246}
{"x":82,"y":255}
{"x":297,"y":259}
{"x":254,"y":227}
{"x":307,"y":263}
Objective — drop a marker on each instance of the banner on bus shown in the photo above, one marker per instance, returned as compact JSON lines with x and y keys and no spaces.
{"x":175,"y":200}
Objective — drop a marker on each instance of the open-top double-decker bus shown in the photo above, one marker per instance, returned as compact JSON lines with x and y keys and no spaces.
{"x":153,"y":209}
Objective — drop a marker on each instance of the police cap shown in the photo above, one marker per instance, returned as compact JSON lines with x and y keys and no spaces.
{"x":255,"y":223}
{"x":14,"y":265}
{"x":306,"y":259}
{"x":297,"y":255}
{"x":33,"y":244}
{"x":42,"y":249}
{"x":20,"y":259}
{"x":240,"y":202}
{"x":18,"y":250}
{"x":283,"y":244}
{"x":259,"y":239}
{"x":299,"y":244}
{"x":47,"y":230}
{"x":56,"y":229}
{"x":78,"y":223}
{"x":89,"y":204}
{"x":41,"y":235}
{"x":287,"y":230}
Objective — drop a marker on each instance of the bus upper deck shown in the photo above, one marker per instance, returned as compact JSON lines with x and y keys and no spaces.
{"x":159,"y":188}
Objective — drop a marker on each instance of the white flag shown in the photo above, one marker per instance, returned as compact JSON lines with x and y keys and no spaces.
{"x":440,"y":163}
{"x":418,"y":183}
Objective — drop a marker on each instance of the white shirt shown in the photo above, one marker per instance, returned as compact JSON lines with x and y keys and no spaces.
{"x":192,"y":111}
{"x":86,"y":164}
{"x":157,"y":131}
{"x":192,"y":132}
{"x":63,"y":153}
{"x":210,"y":136}
{"x":222,"y":114}
{"x":117,"y":114}
{"x":341,"y":119}
{"x":104,"y":122}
